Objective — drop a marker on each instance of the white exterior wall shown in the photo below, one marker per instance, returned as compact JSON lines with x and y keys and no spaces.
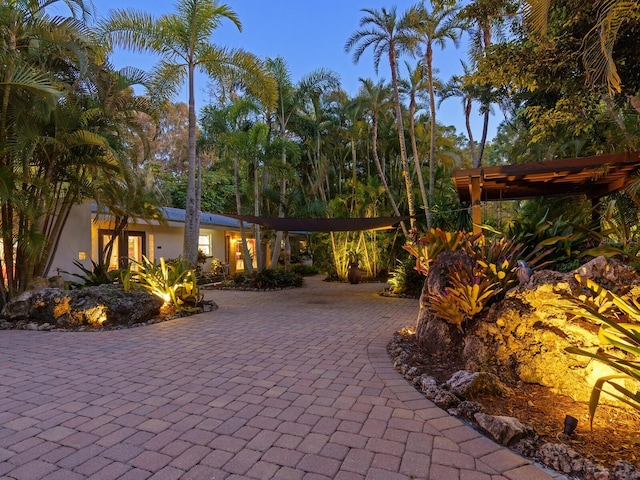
{"x":80,"y":238}
{"x":75,"y":242}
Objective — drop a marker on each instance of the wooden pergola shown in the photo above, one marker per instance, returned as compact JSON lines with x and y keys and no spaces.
{"x":594,"y":177}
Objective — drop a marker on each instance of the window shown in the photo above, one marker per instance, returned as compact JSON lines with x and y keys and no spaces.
{"x":204,"y":244}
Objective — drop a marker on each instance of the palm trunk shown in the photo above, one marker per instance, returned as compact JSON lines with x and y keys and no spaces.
{"x":277,"y":247}
{"x":432,"y":140}
{"x":416,"y":159}
{"x":248,"y":263}
{"x":467,"y":122}
{"x":192,"y":215}
{"x":383,"y":177}
{"x":400,"y":127}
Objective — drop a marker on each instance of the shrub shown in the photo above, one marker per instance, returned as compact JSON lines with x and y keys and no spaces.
{"x":406,"y":280}
{"x":99,"y":274}
{"x":469,"y":292}
{"x":303,"y":270}
{"x":175,"y":282}
{"x":267,"y":279}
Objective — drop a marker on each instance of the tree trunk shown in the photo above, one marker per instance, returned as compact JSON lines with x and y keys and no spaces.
{"x":401,"y":140}
{"x":416,"y":159}
{"x":192,"y":215}
{"x":432,"y":140}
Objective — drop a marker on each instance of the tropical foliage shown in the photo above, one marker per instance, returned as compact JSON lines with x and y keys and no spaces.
{"x":619,"y":327}
{"x":174,"y":282}
{"x":68,"y":126}
{"x":489,"y":272}
{"x":72,"y":128}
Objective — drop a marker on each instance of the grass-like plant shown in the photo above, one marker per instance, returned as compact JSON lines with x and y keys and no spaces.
{"x":98,"y":274}
{"x":619,"y":321}
{"x":174,"y":282}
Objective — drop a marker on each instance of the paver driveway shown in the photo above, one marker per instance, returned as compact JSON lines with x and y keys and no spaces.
{"x":294,"y":384}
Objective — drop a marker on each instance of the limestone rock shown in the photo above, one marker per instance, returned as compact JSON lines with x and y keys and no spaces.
{"x":564,"y":459}
{"x":609,"y":272}
{"x":57,"y":281}
{"x":104,"y":305}
{"x":524,"y":337}
{"x":504,"y":430}
{"x":427,"y":381}
{"x":466,"y":409}
{"x":468,"y":385}
{"x":37,"y":283}
{"x":442,"y":398}
{"x":625,"y":471}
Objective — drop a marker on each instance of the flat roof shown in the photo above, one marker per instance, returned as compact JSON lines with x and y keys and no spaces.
{"x":593,"y":176}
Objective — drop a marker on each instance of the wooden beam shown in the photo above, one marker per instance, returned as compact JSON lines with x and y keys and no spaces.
{"x":475,"y":189}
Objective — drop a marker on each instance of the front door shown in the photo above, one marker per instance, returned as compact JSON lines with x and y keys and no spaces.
{"x":127,"y":246}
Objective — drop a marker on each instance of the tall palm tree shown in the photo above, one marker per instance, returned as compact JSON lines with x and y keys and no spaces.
{"x":429,"y":29}
{"x":485,"y":20}
{"x":387,"y":35}
{"x":291,"y":99}
{"x":413,"y":87}
{"x":375,"y":99}
{"x":182,"y":40}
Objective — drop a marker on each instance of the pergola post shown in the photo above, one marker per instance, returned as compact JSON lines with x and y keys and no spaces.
{"x":475,"y":189}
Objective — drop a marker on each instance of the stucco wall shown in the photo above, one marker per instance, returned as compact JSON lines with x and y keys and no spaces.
{"x":75,"y":240}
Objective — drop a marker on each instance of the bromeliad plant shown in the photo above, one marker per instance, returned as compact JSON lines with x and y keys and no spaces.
{"x":469,"y":292}
{"x":427,"y":247}
{"x":174,"y":282}
{"x":492,"y":271}
{"x":619,"y":321}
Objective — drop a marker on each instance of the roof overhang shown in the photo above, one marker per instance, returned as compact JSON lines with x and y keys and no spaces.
{"x":594,"y":177}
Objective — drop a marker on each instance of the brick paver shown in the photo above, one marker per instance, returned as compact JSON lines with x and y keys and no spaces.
{"x":292,"y":384}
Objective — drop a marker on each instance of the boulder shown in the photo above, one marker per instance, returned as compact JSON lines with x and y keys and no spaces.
{"x":523,"y":337}
{"x":442,"y":398}
{"x":504,"y":430}
{"x":100,"y":306}
{"x":466,"y":409}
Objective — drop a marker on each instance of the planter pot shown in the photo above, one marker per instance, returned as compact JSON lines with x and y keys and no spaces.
{"x":354,"y":275}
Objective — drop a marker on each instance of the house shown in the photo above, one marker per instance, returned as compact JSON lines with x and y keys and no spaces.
{"x":88,"y":231}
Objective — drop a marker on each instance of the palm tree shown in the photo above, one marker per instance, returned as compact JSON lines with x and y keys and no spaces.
{"x":485,"y":20}
{"x":290,"y":100}
{"x":182,"y":41}
{"x":386,"y":34}
{"x":459,"y":86}
{"x":375,"y":99}
{"x":41,"y":58}
{"x":413,"y":87}
{"x":429,"y":29}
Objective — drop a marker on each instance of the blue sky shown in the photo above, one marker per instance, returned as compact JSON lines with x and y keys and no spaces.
{"x":308,"y":34}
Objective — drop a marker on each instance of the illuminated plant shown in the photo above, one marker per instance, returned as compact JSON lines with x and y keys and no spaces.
{"x":432,"y":242}
{"x":493,"y":271}
{"x":469,"y":293}
{"x":174,"y":282}
{"x":619,"y":321}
